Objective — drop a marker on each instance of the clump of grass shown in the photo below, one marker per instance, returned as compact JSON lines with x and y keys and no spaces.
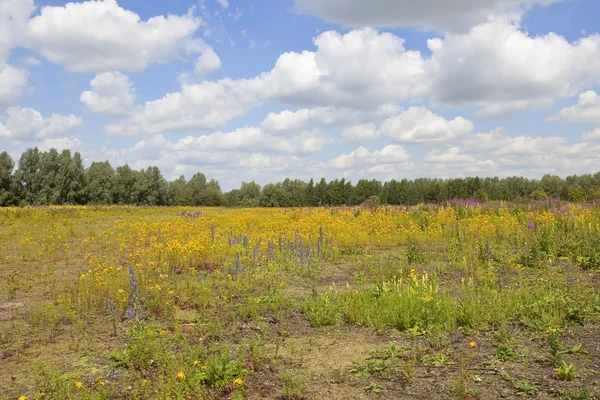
{"x":322,"y":311}
{"x":293,"y":386}
{"x":565,"y":372}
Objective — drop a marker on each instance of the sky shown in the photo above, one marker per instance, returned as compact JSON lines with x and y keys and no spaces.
{"x":267,"y":89}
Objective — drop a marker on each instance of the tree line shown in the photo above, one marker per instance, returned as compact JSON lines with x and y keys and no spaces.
{"x":53,"y":178}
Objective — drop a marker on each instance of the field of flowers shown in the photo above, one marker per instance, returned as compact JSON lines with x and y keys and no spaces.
{"x":454,"y":301}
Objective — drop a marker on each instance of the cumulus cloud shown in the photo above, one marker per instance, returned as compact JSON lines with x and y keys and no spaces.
{"x":252,"y":140}
{"x":495,"y":66}
{"x":13,"y":21}
{"x":89,"y":36}
{"x":591,"y":136}
{"x":24,"y":124}
{"x":420,"y":125}
{"x":60,"y":143}
{"x":587,"y":109}
{"x":522,"y":155}
{"x":203,"y":106}
{"x":208,"y":62}
{"x":12,"y":83}
{"x":311,"y":118}
{"x":363,"y":68}
{"x":361,"y":132}
{"x":452,"y":155}
{"x":441,"y":15}
{"x":111,"y":94}
{"x":390,"y":154}
{"x":502,"y":69}
{"x":14,"y":15}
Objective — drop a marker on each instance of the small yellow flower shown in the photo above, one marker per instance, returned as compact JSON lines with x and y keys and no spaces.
{"x":23,"y":397}
{"x":181,"y":375}
{"x":551,"y":330}
{"x":78,"y":385}
{"x":427,"y":299}
{"x":195,"y":363}
{"x":473,"y":344}
{"x":238,"y":381}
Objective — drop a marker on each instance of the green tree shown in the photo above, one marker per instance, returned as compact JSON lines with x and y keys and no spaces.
{"x":124,"y":184}
{"x":179,"y":194}
{"x":367,"y":188}
{"x":274,"y":195}
{"x":100,"y":178}
{"x":197,"y":189}
{"x":151,"y":189}
{"x":232,"y":198}
{"x":71,"y":178}
{"x":50,"y":190}
{"x":213,"y":195}
{"x":8,"y":195}
{"x":250,"y":194}
{"x":28,"y":175}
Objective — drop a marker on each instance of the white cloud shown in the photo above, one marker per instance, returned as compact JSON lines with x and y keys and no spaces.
{"x":587,"y":109}
{"x":13,"y":22}
{"x":591,"y":136}
{"x":502,"y":69}
{"x":439,"y":15}
{"x":361,"y":132}
{"x":252,"y":44}
{"x":61,"y":143}
{"x":208,"y":62}
{"x":12,"y":83}
{"x":420,"y":125}
{"x":31,"y":61}
{"x":207,"y":105}
{"x":390,"y":154}
{"x":223,"y":3}
{"x":24,"y":124}
{"x":99,"y":36}
{"x":111,"y":94}
{"x":288,"y":121}
{"x":237,"y":15}
{"x":253,"y":140}
{"x":362,"y":69}
{"x":452,"y":155}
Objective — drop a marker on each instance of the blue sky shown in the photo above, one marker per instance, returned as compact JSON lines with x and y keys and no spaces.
{"x":263,"y":90}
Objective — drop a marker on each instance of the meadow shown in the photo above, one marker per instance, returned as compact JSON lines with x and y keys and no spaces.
{"x":454,"y":301}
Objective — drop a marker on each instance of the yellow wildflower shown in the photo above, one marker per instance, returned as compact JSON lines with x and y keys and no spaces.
{"x":238,"y":381}
{"x":473,"y":344}
{"x":195,"y":363}
{"x":181,"y":375}
{"x":78,"y":385}
{"x":427,"y":299}
{"x":23,"y":397}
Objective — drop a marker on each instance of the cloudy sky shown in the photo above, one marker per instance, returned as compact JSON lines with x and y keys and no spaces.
{"x":266,"y":89}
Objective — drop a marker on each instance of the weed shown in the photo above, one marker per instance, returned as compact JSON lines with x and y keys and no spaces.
{"x":322,"y":311}
{"x":525,"y":388}
{"x":565,"y":372}
{"x":505,"y":353}
{"x":293,"y":386}
{"x":414,"y":255}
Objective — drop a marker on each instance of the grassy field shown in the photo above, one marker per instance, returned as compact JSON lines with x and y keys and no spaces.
{"x":429,"y":302}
